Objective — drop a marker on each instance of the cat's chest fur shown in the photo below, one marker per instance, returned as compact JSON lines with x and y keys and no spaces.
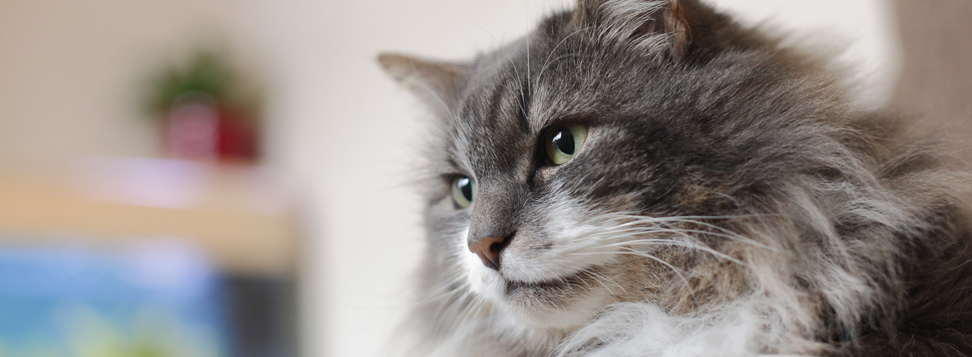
{"x":649,"y":178}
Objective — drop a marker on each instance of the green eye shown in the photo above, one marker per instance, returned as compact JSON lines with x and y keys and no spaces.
{"x":564,"y":142}
{"x":464,"y":191}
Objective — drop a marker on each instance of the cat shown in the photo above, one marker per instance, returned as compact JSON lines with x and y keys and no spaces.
{"x":651,"y":178}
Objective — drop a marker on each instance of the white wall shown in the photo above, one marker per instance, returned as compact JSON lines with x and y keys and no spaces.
{"x":339,"y":129}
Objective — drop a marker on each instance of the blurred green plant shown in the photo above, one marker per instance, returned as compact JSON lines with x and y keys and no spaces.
{"x":207,"y":73}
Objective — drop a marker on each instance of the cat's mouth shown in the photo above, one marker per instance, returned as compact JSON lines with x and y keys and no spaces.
{"x":515,"y":287}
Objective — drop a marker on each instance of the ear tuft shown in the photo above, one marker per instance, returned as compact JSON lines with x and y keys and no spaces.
{"x":431,"y":80}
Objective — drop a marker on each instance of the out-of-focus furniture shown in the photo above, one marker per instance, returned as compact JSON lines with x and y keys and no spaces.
{"x":243,"y":219}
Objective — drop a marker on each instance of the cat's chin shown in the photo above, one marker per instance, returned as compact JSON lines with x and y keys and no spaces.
{"x":563,"y":303}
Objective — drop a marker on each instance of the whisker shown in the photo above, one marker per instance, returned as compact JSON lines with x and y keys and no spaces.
{"x":589,"y":287}
{"x":516,"y":79}
{"x":682,"y":244}
{"x":526,"y":19}
{"x":637,"y":220}
{"x":547,"y":62}
{"x":455,"y":290}
{"x":598,"y":276}
{"x":670,"y":266}
{"x":555,"y":60}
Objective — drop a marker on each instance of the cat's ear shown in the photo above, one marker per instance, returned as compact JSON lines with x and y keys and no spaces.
{"x":433,"y":81}
{"x":661,"y":26}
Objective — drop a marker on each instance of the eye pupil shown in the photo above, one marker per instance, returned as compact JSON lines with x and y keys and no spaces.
{"x":465,"y":186}
{"x":561,"y":144}
{"x":564,"y":141}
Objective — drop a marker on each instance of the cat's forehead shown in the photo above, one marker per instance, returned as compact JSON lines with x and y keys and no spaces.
{"x":504,"y":110}
{"x":492,"y":127}
{"x":531,"y":86}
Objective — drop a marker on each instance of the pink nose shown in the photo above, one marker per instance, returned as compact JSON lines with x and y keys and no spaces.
{"x":488,"y":249}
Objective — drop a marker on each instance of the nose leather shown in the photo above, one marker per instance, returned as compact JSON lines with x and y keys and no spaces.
{"x":488,"y":249}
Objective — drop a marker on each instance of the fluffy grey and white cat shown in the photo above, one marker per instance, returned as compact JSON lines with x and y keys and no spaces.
{"x":650,"y":178}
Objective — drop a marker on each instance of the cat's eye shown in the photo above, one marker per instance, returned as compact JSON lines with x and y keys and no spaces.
{"x":562,"y":143}
{"x":463,"y":191}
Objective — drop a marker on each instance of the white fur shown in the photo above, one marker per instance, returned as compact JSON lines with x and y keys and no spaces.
{"x":576,"y":244}
{"x":642,"y":329}
{"x":573,"y":230}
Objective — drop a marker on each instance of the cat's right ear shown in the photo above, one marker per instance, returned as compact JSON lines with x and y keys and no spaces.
{"x":666,"y":27}
{"x":435,"y":82}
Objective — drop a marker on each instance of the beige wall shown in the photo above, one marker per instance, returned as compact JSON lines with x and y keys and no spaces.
{"x":69,"y":70}
{"x":342,"y":132}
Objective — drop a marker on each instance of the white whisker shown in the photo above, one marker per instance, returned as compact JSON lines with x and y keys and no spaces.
{"x":547,"y":60}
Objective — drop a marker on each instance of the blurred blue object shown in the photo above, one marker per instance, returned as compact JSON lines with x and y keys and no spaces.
{"x":155,"y":298}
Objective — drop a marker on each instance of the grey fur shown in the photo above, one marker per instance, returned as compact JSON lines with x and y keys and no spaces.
{"x":722,"y":173}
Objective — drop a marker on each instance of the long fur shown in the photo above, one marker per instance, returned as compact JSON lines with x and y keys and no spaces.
{"x":728,"y":201}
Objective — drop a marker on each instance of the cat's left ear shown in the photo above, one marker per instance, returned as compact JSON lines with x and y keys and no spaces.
{"x":665,"y":27}
{"x":431,"y":80}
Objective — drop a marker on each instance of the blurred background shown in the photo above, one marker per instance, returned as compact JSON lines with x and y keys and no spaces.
{"x":231,"y":178}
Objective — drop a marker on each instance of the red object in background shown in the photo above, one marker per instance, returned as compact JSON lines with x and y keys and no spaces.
{"x":236,"y":139}
{"x":206,"y":132}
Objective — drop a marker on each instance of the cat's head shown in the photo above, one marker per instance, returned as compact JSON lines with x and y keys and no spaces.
{"x":614,"y":154}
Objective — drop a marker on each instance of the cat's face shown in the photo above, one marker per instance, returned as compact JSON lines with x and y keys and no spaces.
{"x":595,"y":162}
